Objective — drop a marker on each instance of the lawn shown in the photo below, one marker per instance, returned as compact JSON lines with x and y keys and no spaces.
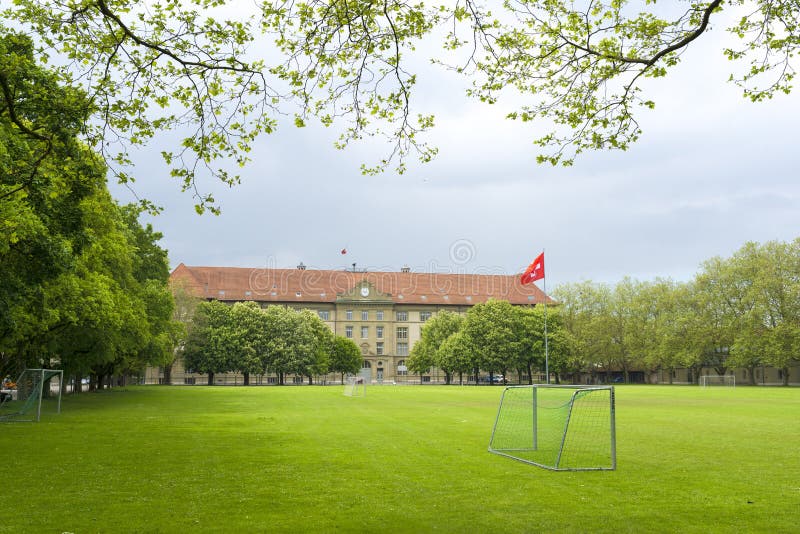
{"x":401,"y":459}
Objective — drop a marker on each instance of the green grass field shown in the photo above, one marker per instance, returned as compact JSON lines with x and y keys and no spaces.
{"x":401,"y":459}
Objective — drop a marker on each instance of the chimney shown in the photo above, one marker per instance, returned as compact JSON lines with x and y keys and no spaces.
{"x":301,"y":267}
{"x":405,"y":269}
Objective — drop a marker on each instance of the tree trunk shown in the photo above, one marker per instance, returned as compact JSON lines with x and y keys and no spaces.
{"x":530,"y":374}
{"x":751,"y":371}
{"x":246,"y":379}
{"x":210,"y":379}
{"x":785,"y":375}
{"x":168,"y":374}
{"x":310,"y":380}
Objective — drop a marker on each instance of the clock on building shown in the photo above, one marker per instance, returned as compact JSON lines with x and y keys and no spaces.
{"x":364,"y":291}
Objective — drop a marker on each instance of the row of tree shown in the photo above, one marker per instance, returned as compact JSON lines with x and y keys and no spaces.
{"x":738,"y":312}
{"x":742,"y":312}
{"x":493,"y":337}
{"x":83,"y":285}
{"x":278,"y":340}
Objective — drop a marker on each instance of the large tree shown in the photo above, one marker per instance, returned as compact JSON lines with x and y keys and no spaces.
{"x":207,"y":345}
{"x":434,"y":333}
{"x":345,"y":357}
{"x":82,"y":283}
{"x":45,"y":175}
{"x":190,"y":66}
{"x":493,"y":331}
{"x":767,"y":331}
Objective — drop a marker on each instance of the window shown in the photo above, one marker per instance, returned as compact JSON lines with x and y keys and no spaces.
{"x":272,"y":380}
{"x":402,"y":370}
{"x":348,"y":315}
{"x":348,"y":332}
{"x":366,"y":365}
{"x":379,"y":332}
{"x":426,"y":379}
{"x":402,"y":349}
{"x":297,"y":380}
{"x":365,"y":316}
{"x":324,"y":315}
{"x":424,"y":316}
{"x":379,"y":315}
{"x":379,"y":348}
{"x":402,"y":332}
{"x":402,"y":316}
{"x":364,"y":332}
{"x":188,"y":380}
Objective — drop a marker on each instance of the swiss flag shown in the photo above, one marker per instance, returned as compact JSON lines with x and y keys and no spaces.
{"x":535,"y":271}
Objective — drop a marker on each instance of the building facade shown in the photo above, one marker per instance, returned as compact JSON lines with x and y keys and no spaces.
{"x":382,"y":312}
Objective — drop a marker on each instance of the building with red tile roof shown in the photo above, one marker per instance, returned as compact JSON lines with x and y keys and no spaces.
{"x":382,"y":311}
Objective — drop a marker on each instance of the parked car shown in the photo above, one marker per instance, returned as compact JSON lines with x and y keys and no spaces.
{"x":496,"y":379}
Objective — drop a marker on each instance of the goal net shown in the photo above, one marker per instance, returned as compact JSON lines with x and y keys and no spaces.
{"x":35,"y":391}
{"x":718,"y":380}
{"x":355,"y":386}
{"x":563,"y":428}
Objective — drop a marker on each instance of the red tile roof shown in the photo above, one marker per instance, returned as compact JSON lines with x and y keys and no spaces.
{"x":296,"y":285}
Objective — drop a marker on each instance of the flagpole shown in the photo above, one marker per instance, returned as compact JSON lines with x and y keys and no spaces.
{"x":546,"y":356}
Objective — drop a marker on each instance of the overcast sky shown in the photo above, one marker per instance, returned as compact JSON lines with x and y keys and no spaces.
{"x":711,"y":172}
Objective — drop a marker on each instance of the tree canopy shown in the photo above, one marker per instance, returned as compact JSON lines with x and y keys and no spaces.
{"x":740,"y":312}
{"x":83,"y":284}
{"x":247,"y":339}
{"x":221,"y":75}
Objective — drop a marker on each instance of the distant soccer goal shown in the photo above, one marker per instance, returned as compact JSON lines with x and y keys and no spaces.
{"x":35,"y":391}
{"x":718,"y":380}
{"x":563,"y":428}
{"x":355,"y":386}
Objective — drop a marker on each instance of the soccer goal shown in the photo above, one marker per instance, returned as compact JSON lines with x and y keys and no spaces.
{"x":563,"y":428}
{"x":35,"y":391}
{"x":355,"y":386}
{"x":718,"y":380}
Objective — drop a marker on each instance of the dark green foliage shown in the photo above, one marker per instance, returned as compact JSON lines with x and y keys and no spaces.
{"x":82,"y":284}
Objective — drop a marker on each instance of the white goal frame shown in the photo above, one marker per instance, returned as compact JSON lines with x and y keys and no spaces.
{"x":557,"y":427}
{"x":718,"y":380}
{"x":25,"y":403}
{"x":356,"y":386}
